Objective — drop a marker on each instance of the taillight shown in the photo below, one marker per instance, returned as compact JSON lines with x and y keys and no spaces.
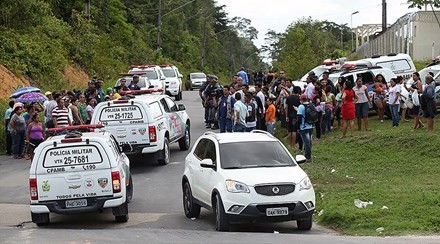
{"x":116,"y":182}
{"x":33,"y":189}
{"x":152,"y":133}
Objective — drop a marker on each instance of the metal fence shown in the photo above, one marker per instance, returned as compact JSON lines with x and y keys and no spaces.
{"x":414,"y":33}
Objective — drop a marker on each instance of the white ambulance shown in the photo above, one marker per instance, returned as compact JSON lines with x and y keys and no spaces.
{"x":146,"y":124}
{"x":79,"y":173}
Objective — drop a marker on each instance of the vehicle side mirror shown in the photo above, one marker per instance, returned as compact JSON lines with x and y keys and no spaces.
{"x":207,"y":163}
{"x":180,"y":76}
{"x":181,"y":107}
{"x":300,"y":159}
{"x":162,"y":77}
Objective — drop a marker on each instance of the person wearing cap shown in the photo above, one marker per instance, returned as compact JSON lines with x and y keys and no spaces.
{"x":48,"y":94}
{"x":243,"y":75}
{"x":100,"y":92}
{"x":134,"y":83}
{"x":305,"y":129}
{"x":91,"y":85}
{"x":201,"y":91}
{"x":211,"y":95}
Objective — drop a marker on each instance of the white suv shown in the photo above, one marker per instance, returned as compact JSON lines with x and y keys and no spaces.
{"x":154,"y":74}
{"x":173,"y":81}
{"x":246,"y":177}
{"x":79,"y":173}
{"x":145,"y":124}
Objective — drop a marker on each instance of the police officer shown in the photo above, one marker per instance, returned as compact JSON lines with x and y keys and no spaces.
{"x":134,"y":83}
{"x":211,"y":94}
{"x":202,"y":89}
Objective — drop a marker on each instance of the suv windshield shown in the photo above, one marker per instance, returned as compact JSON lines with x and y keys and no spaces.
{"x":198,"y":76}
{"x":142,"y":82}
{"x":239,"y":155}
{"x":169,"y":73}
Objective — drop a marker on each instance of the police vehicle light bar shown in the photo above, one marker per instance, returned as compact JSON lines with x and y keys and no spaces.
{"x":146,"y":91}
{"x":349,"y":66}
{"x":143,"y":66}
{"x":76,"y":127}
{"x":133,"y":74}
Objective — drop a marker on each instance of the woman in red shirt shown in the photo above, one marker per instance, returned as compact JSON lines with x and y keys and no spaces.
{"x":349,"y":98}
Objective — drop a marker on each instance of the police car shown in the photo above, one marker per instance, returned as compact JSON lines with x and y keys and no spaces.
{"x":79,"y":173}
{"x":173,"y":80}
{"x":146,"y":124}
{"x":154,"y":74}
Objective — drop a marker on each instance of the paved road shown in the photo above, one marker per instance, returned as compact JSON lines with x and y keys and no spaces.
{"x":156,"y":213}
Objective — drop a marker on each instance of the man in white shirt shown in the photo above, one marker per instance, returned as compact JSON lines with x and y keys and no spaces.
{"x":310,"y":87}
{"x":240,"y":114}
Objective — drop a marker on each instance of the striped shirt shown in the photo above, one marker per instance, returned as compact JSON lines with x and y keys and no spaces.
{"x":62,"y":116}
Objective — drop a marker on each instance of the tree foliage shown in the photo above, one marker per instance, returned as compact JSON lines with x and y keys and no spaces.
{"x":39,"y":38}
{"x":420,"y":3}
{"x":305,"y":44}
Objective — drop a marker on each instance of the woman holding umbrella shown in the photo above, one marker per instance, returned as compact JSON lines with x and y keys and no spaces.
{"x":18,"y":127}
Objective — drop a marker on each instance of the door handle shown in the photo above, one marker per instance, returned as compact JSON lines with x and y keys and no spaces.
{"x":74,"y":177}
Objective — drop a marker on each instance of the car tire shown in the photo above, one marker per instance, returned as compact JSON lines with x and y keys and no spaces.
{"x":40,"y":219}
{"x":221,"y":220}
{"x":191,"y":209}
{"x":164,"y":154}
{"x":130,"y":190}
{"x":185,"y":141}
{"x":304,"y":224}
{"x":121,"y":213}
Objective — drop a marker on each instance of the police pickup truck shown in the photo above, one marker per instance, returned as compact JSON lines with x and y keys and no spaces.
{"x":79,"y":173}
{"x":145,"y":124}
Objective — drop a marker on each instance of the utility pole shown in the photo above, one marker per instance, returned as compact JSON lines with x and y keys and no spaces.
{"x":351,"y":26}
{"x":159,"y":23}
{"x":384,"y":15}
{"x":204,"y":42}
{"x":88,"y":9}
{"x":342,"y":45}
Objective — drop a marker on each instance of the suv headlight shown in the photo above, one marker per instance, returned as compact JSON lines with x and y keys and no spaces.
{"x":236,"y":187}
{"x":173,"y":82}
{"x":305,"y":184}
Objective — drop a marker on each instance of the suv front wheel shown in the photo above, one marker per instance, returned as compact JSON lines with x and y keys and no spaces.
{"x":305,"y":224}
{"x":221,"y":220}
{"x":192,"y":209}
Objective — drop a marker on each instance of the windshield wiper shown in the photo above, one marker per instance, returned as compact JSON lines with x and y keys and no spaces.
{"x":235,"y":167}
{"x":279,"y":165}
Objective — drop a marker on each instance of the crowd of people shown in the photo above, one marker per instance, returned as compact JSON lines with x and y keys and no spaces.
{"x":25,"y":130}
{"x":318,"y":108}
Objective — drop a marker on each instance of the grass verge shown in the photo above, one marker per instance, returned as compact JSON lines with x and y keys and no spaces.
{"x":391,"y":167}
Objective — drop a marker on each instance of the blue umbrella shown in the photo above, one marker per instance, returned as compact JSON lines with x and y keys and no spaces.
{"x":24,"y":90}
{"x":33,"y":97}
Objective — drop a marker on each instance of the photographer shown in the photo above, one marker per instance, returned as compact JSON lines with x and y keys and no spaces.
{"x":201,"y":94}
{"x":211,"y":96}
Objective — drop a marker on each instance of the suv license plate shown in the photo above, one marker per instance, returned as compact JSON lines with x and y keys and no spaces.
{"x":76,"y":203}
{"x":277,"y":211}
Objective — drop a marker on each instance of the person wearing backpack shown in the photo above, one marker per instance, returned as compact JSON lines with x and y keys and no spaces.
{"x":307,"y":116}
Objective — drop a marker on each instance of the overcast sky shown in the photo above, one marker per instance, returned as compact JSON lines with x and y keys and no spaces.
{"x":278,"y":14}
